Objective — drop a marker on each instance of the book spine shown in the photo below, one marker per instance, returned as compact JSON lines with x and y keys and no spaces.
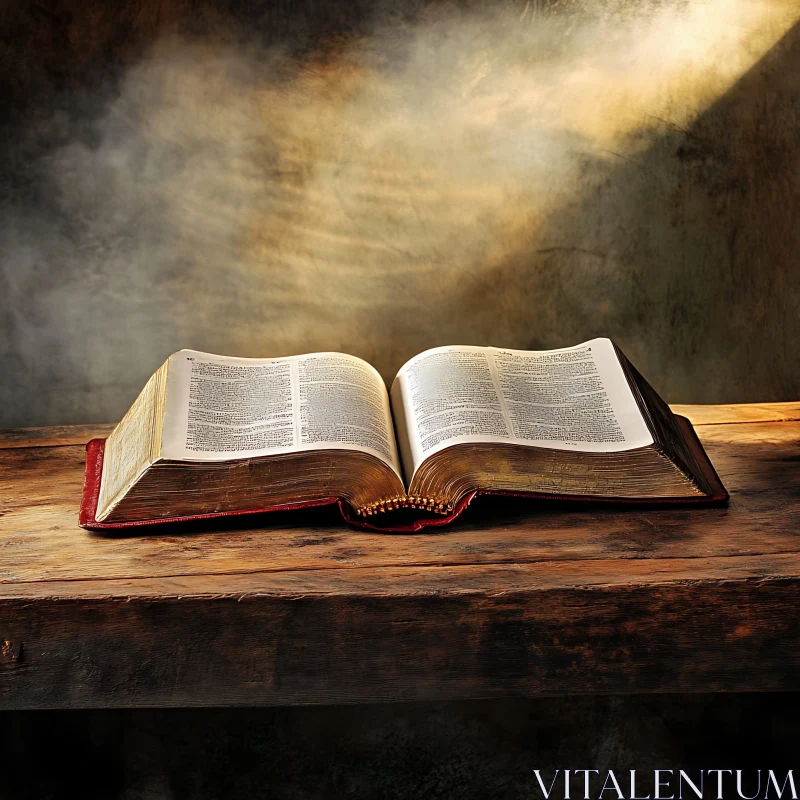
{"x":430,"y":504}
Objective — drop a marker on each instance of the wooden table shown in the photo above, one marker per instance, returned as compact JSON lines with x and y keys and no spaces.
{"x":297,"y":608}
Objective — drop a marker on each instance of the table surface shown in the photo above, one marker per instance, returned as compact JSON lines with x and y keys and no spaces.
{"x":518,"y":598}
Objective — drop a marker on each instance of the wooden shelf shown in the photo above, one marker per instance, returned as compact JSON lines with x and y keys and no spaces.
{"x":296,"y":608}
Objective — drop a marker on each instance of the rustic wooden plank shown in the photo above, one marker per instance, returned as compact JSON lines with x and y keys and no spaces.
{"x":427,"y":580}
{"x":519,"y":599}
{"x":55,"y":436}
{"x":40,"y":539}
{"x":741,"y":412}
{"x":343,"y":648}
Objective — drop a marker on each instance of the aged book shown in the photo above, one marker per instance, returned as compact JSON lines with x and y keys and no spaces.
{"x":212,"y":436}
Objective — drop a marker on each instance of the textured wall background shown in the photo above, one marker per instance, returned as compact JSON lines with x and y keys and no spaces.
{"x":270,"y":178}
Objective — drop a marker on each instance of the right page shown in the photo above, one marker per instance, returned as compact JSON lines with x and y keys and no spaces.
{"x":574,"y":398}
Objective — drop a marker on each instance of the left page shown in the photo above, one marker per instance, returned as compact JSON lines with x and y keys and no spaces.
{"x":220,"y":408}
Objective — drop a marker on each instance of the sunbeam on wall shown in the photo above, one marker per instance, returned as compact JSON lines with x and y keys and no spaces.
{"x":507,"y":177}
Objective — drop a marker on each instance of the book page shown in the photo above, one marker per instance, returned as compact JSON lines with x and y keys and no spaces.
{"x":221,"y":408}
{"x":575,"y":398}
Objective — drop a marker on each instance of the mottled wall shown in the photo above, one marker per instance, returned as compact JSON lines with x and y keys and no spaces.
{"x":271,"y":178}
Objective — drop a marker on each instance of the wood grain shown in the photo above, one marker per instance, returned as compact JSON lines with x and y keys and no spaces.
{"x":53,"y":436}
{"x":743,"y":412}
{"x":296,"y":608}
{"x":344,"y":648}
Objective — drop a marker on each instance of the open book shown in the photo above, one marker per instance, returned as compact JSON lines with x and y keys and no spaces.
{"x":211,"y":435}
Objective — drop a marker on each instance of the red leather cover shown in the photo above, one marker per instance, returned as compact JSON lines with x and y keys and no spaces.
{"x":94,"y":469}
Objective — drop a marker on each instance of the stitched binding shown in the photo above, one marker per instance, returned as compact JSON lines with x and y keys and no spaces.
{"x":401,"y":501}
